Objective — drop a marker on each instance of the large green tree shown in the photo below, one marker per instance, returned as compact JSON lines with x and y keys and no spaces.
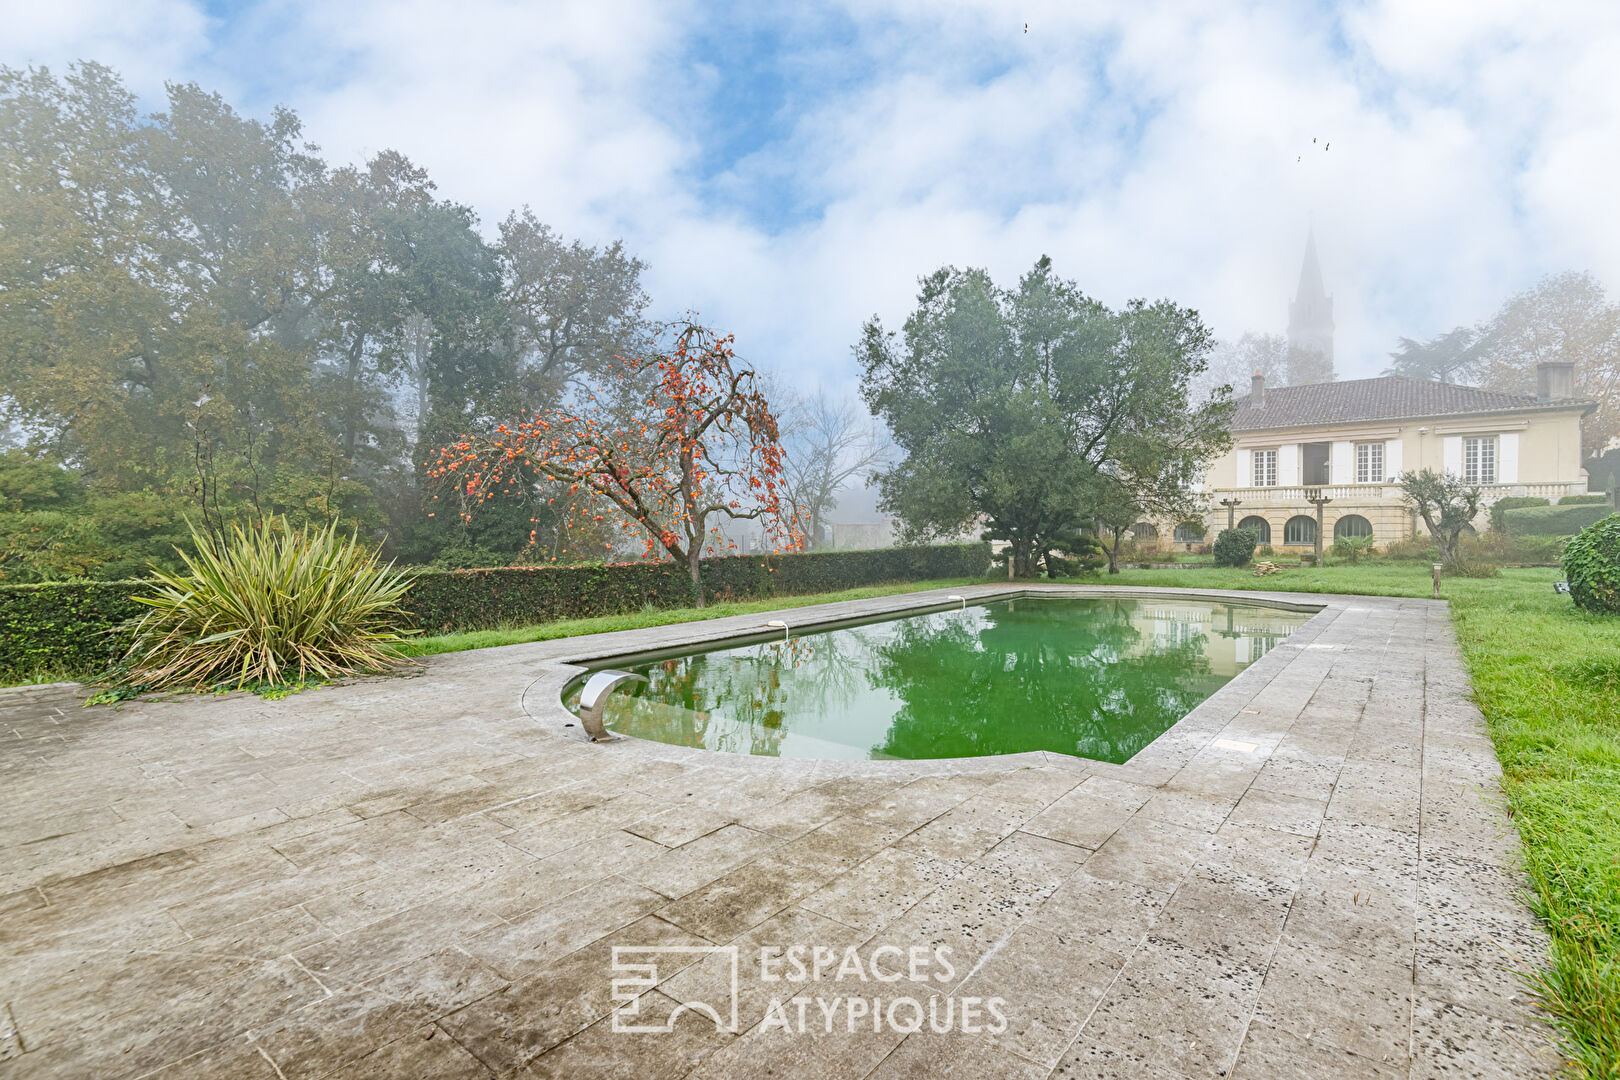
{"x":200,"y":318}
{"x":1012,"y":406}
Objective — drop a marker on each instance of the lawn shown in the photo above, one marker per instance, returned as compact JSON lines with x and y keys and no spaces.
{"x":636,"y":620}
{"x":1547,"y":677}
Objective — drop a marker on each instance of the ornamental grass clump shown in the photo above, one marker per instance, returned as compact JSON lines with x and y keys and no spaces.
{"x":270,"y":607}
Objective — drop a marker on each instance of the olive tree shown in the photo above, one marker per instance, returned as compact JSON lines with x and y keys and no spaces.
{"x":1447,"y":504}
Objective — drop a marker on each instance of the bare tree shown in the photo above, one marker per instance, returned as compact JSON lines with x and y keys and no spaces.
{"x":1564,"y":317}
{"x":1231,"y":363}
{"x":830,"y":443}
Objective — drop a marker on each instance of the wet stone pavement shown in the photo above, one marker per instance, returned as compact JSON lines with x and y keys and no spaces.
{"x":1309,"y":876}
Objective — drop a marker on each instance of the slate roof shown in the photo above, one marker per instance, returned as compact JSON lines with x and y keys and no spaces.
{"x":1392,"y":397}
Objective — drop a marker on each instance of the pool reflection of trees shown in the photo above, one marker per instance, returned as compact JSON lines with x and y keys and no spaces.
{"x":1043,"y":678}
{"x":737,"y":700}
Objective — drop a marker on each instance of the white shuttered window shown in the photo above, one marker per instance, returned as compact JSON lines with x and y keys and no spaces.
{"x":1370,"y":463}
{"x":1265,"y":468}
{"x":1479,"y":460}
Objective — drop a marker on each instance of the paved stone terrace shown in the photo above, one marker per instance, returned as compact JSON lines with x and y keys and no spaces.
{"x":1307,"y":877}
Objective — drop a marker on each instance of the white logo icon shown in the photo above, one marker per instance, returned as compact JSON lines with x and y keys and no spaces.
{"x":636,"y":971}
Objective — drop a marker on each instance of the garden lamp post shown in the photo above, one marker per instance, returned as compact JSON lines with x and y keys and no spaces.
{"x":1315,"y":497}
{"x":1231,"y":512}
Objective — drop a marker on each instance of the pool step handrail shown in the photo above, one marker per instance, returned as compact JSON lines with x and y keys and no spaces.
{"x":593,"y":699}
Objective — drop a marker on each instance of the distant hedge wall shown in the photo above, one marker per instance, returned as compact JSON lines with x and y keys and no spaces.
{"x":65,"y":627}
{"x":1512,"y":502}
{"x":1552,"y":520}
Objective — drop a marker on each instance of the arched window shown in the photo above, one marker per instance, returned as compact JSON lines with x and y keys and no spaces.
{"x":1352,"y":525}
{"x":1300,"y":530}
{"x":1144,"y":530}
{"x":1261,"y":527}
{"x":1190,"y":532}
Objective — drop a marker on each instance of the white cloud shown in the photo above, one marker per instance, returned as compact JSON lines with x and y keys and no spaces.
{"x":148,"y":42}
{"x":1159,"y":149}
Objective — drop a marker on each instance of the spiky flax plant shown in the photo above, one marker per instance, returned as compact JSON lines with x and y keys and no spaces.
{"x":270,"y":606}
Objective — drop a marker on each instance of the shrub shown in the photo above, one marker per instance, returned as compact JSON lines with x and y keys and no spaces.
{"x":1235,"y":547}
{"x":1512,"y":502}
{"x":1265,"y":551}
{"x":1353,"y":547}
{"x":1499,"y":547}
{"x":1415,"y":548}
{"x":1552,"y":520}
{"x":1592,"y":566}
{"x":269,"y":606}
{"x":1082,"y":554}
{"x":1594,"y":499}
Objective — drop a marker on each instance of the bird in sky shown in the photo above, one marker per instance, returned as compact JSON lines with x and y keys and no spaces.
{"x":1026,"y":28}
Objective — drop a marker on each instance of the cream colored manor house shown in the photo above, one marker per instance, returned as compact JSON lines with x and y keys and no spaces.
{"x":1350,"y":441}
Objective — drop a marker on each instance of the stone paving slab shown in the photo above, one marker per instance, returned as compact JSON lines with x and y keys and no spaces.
{"x":1308,"y":876}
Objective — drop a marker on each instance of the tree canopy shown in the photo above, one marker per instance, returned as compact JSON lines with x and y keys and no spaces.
{"x":1023,"y":409}
{"x":199,"y":317}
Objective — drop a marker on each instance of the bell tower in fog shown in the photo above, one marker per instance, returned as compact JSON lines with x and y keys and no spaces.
{"x":1310,"y":324}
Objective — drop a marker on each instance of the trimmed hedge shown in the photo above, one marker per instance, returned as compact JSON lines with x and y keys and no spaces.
{"x":65,"y":628}
{"x":1552,"y":520}
{"x":1592,"y":565}
{"x":1594,"y":499}
{"x":1512,"y":502}
{"x":73,"y":627}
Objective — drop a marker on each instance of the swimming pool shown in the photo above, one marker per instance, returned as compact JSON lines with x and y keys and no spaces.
{"x":1092,"y":677}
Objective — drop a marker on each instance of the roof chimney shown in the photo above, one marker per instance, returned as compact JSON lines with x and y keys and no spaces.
{"x":1555,"y":381}
{"x":1257,"y":391}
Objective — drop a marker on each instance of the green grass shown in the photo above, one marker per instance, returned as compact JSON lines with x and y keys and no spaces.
{"x":1547,"y":677}
{"x":518,"y":635}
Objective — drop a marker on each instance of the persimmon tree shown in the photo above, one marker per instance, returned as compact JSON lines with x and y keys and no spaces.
{"x":666,"y":445}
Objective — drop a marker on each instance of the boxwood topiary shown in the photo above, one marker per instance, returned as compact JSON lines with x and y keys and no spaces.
{"x":1592,"y":565}
{"x":1235,"y":547}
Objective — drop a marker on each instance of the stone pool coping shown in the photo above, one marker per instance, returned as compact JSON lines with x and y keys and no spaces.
{"x":1171,"y":750}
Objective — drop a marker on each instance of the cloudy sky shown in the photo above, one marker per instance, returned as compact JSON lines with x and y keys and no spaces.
{"x":788,"y":170}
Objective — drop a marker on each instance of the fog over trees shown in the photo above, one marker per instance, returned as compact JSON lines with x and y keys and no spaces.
{"x":202,"y":319}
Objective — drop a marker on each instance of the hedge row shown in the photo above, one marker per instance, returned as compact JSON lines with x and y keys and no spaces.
{"x":1512,"y":502}
{"x":1552,"y":520}
{"x":65,"y":627}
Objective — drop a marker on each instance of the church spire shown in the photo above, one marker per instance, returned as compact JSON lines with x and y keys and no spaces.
{"x":1310,"y":323}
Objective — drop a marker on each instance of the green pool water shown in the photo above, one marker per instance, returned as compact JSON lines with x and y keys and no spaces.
{"x":1097,"y":678}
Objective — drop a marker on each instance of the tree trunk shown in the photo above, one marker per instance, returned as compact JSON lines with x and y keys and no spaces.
{"x":694,"y":568}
